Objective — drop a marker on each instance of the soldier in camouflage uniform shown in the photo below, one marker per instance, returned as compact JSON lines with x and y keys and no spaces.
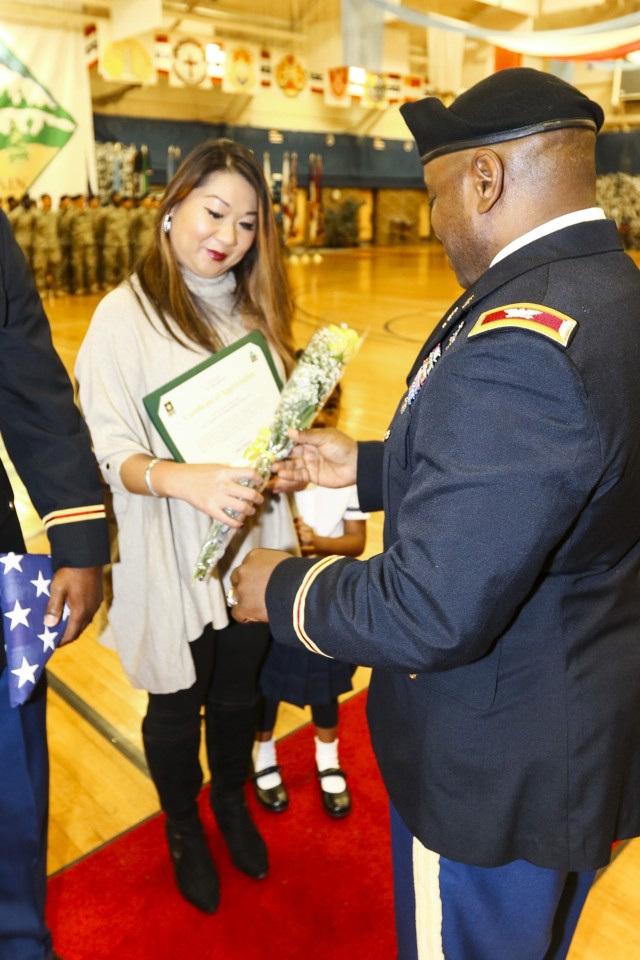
{"x":95,"y":207}
{"x":115,"y":242}
{"x":65,"y":214}
{"x":23,"y":219}
{"x":47,"y":258}
{"x":83,"y":248}
{"x":141,"y":226}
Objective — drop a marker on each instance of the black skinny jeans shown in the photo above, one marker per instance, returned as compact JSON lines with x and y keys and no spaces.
{"x":227,"y":664}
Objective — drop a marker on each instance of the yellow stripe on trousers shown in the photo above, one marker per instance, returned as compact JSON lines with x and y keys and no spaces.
{"x":426,"y":887}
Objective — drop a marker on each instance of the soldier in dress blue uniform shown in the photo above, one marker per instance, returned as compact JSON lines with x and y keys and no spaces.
{"x":502,"y":618}
{"x":49,"y":446}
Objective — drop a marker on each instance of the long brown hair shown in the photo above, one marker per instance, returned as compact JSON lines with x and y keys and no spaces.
{"x":262,"y":290}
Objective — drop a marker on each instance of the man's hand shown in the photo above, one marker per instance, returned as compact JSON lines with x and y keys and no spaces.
{"x":249,"y":583}
{"x":81,"y":589}
{"x":326,"y":456}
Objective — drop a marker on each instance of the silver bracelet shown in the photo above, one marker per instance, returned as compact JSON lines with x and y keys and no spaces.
{"x":147,"y":476}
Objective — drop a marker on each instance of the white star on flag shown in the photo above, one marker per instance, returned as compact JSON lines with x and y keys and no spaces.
{"x":41,"y":585}
{"x":29,"y":643}
{"x":26,"y":673}
{"x":18,"y":615}
{"x":48,"y":639}
{"x":11,"y":562}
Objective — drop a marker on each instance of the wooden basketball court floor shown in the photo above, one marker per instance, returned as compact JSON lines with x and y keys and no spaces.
{"x":99,"y":783}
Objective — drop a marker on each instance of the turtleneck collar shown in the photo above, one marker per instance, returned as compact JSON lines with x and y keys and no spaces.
{"x":209,"y":288}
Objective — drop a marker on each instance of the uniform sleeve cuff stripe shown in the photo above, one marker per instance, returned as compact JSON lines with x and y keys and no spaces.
{"x":74,"y":515}
{"x":301,"y":599}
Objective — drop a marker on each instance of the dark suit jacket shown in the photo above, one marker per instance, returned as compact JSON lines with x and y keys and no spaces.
{"x":503,"y":618}
{"x":43,"y":431}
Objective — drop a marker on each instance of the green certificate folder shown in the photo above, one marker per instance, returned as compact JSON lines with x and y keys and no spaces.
{"x":214,"y":411}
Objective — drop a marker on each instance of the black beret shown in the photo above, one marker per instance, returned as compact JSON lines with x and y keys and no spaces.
{"x":507,"y":105}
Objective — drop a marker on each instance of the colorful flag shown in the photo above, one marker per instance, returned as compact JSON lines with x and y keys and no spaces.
{"x":288,"y":195}
{"x":24,"y":593}
{"x":336,"y":91}
{"x":291,"y":75}
{"x":173,"y":161}
{"x":241,"y":69}
{"x":315,"y":198}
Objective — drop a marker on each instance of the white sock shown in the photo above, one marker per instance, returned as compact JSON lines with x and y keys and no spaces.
{"x":264,"y":755}
{"x":327,"y":759}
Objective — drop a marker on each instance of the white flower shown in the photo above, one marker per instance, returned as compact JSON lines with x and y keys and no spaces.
{"x":314,"y":378}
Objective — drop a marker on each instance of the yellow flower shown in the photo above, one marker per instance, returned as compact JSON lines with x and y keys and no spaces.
{"x":343,"y":341}
{"x":259,"y":446}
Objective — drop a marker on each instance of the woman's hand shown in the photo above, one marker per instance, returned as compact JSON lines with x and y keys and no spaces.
{"x":212,"y":488}
{"x":325,"y":456}
{"x":219,"y":490}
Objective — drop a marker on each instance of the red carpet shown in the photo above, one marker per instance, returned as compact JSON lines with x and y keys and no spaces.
{"x":328,"y":895}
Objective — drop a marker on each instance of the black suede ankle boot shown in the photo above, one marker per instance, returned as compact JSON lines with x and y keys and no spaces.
{"x":230,"y":729}
{"x":246,"y":847}
{"x":195,"y":871}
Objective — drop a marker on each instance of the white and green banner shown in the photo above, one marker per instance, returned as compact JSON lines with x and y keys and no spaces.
{"x":46,"y":122}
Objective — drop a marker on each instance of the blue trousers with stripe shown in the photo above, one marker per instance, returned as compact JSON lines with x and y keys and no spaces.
{"x":24,"y":796}
{"x":452,"y":911}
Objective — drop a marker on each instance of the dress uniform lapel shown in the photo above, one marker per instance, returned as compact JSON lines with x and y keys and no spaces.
{"x":456,"y":313}
{"x":596,"y":236}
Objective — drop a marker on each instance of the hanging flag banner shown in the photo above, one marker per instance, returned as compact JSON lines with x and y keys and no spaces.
{"x":315,"y":216}
{"x":46,"y":122}
{"x":91,"y":46}
{"x":266,"y":69}
{"x":189,"y":67}
{"x":163,"y":54}
{"x":336,"y":90}
{"x":126,"y":61}
{"x":288,"y":195}
{"x":374,"y":92}
{"x":241,"y":69}
{"x":246,"y":68}
{"x":174,"y":156}
{"x":291,"y":75}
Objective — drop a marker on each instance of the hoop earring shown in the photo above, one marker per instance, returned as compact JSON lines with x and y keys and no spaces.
{"x":166,"y":222}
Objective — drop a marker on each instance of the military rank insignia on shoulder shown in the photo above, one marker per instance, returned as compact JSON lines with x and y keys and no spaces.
{"x":527,"y":316}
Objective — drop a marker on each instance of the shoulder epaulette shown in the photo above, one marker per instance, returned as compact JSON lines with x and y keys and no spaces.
{"x":527,"y":316}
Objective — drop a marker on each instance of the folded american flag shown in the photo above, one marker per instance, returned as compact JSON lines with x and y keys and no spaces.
{"x":24,"y":594}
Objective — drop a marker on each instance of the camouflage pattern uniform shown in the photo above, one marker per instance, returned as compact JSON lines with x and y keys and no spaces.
{"x":141,"y":226}
{"x":23,"y":220}
{"x":83,"y":248}
{"x":65,"y":214}
{"x":96,"y":211}
{"x":115,"y":242}
{"x":47,"y":259}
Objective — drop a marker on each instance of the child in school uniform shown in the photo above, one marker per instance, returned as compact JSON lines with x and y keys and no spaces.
{"x":328,"y":522}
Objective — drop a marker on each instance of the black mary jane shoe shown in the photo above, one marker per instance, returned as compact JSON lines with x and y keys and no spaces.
{"x":275,"y":799}
{"x":336,"y":804}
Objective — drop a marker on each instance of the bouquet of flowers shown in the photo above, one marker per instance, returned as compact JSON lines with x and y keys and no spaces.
{"x":315,"y":376}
